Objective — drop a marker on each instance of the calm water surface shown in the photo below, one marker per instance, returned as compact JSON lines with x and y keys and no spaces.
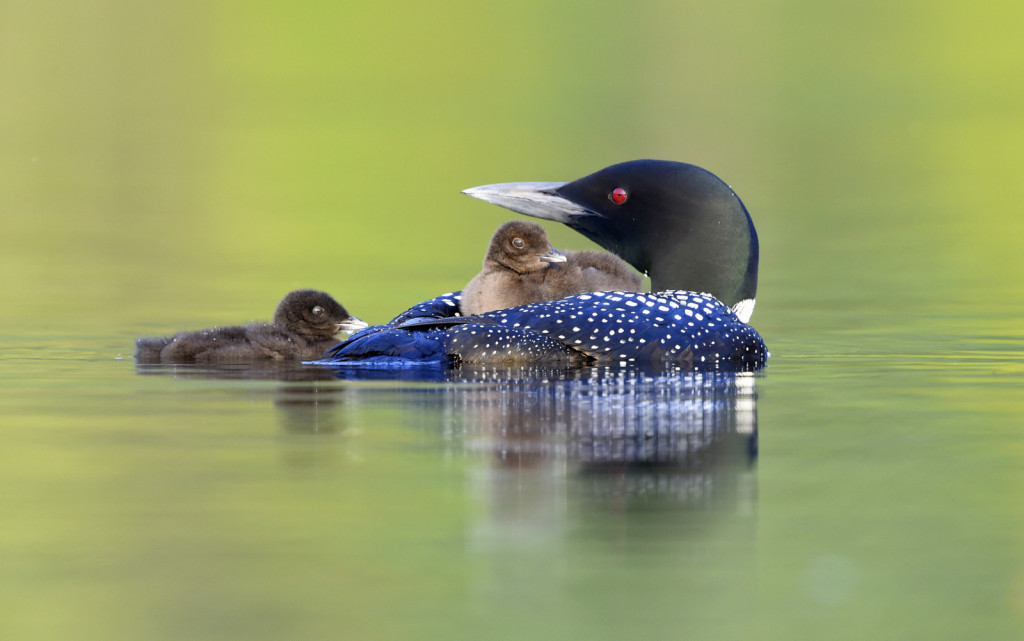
{"x":849,"y":492}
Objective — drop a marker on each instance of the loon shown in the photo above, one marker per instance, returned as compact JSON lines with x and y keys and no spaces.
{"x":304,"y":326}
{"x":517,"y":265}
{"x":675,"y":222}
{"x":521,"y":267}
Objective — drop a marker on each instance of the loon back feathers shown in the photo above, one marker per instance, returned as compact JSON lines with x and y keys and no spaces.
{"x":692,"y":330}
{"x":669,"y":327}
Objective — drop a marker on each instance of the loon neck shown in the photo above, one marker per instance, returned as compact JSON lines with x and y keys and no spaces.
{"x":713,"y":250}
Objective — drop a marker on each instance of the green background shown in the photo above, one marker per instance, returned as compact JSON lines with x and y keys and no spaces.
{"x":225,"y":153}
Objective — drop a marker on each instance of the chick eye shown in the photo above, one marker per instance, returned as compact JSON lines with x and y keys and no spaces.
{"x":518,"y":243}
{"x":618,"y":195}
{"x":318,"y":311}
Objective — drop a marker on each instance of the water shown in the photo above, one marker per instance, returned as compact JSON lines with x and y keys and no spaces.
{"x":836,"y":491}
{"x":184,"y":168}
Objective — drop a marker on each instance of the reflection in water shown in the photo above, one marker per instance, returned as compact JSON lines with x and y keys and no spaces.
{"x":611,"y":416}
{"x":309,"y":409}
{"x":606,"y":464}
{"x":618,"y":437}
{"x":622,"y":432}
{"x":254,"y":371}
{"x":305,"y":406}
{"x":569,"y":475}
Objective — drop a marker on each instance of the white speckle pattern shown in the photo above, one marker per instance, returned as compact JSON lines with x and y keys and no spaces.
{"x":718,"y":340}
{"x":603,"y":327}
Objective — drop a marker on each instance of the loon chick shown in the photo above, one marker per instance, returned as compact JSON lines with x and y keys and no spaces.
{"x":521,"y":267}
{"x":304,"y":327}
{"x":516,"y":268}
{"x":678,"y":223}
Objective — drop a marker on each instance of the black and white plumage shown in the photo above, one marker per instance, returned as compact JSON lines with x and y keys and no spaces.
{"x":695,"y":331}
{"x":678,"y":223}
{"x":305,"y":324}
{"x":626,"y":327}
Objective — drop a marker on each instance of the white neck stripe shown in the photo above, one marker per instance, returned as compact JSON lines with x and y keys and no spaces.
{"x":744,"y":309}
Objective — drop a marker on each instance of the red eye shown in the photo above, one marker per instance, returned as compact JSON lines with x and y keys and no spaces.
{"x":618,"y":196}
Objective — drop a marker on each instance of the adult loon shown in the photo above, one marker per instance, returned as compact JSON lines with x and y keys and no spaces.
{"x":521,"y":267}
{"x":677,"y":223}
{"x":304,"y":326}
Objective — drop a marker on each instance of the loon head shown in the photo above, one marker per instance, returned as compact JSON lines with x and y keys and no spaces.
{"x":679,"y":224}
{"x":521,"y":246}
{"x":314,"y":314}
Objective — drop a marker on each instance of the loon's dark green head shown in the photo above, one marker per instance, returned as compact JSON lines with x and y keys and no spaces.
{"x":679,"y":224}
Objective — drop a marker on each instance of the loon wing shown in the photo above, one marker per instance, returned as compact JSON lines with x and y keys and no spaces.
{"x":685,"y":328}
{"x":427,"y":322}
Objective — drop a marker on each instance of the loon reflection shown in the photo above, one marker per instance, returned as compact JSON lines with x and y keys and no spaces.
{"x":620,"y":437}
{"x":670,"y":432}
{"x":685,"y":437}
{"x":608,"y":415}
{"x":592,"y":415}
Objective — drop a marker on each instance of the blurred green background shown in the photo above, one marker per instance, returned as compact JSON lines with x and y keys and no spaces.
{"x":189,"y":163}
{"x":171,"y":166}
